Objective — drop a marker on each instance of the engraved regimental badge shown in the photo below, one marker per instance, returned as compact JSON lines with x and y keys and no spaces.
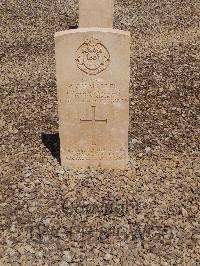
{"x":92,"y":57}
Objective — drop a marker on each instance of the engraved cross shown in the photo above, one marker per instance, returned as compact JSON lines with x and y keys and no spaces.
{"x":93,"y":121}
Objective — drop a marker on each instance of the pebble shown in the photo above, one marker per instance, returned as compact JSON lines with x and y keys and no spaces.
{"x":46,"y":222}
{"x":147,"y":149}
{"x":184,"y":212}
{"x":64,"y":263}
{"x":108,"y":257}
{"x":60,"y":172}
{"x":134,"y":141}
{"x":27,"y":174}
{"x":68,"y":256}
{"x":29,"y":249}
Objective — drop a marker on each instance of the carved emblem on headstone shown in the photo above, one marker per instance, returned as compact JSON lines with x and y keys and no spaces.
{"x":92,"y":57}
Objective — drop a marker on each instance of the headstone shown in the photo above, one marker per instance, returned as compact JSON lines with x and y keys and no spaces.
{"x":92,"y":69}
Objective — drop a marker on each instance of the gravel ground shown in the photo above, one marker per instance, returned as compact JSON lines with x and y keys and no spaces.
{"x":54,"y":217}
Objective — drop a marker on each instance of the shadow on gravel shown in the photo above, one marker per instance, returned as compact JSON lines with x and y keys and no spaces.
{"x":52,"y":142}
{"x":73,"y":27}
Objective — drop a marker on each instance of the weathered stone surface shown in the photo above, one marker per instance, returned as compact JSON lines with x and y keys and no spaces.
{"x":96,"y":13}
{"x":93,"y":91}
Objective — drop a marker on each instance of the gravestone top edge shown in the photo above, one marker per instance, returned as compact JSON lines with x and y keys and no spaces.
{"x":92,"y":30}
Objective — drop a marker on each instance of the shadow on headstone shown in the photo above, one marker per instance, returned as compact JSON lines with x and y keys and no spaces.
{"x":52,"y":142}
{"x":73,"y":27}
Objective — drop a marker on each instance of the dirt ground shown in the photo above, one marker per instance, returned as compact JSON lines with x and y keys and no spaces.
{"x":54,"y":217}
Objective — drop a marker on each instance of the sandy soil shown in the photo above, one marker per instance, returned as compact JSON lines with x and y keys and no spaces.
{"x":54,"y":217}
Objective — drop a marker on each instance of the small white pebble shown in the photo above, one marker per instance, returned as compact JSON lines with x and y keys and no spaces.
{"x":108,"y":257}
{"x":134,"y":141}
{"x":147,"y":149}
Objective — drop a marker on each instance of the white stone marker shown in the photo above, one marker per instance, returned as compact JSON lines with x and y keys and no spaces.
{"x":94,"y":13}
{"x":93,"y":72}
